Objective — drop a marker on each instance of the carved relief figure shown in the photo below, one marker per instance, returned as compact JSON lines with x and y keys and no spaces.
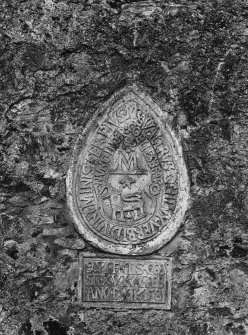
{"x":127,"y":181}
{"x":128,"y":207}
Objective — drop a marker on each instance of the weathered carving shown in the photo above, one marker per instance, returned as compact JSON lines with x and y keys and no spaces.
{"x":125,"y":283}
{"x":128,"y":190}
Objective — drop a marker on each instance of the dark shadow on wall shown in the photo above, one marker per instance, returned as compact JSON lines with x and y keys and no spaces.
{"x":51,"y":327}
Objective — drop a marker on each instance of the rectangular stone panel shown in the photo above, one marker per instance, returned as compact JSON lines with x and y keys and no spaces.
{"x":125,"y":282}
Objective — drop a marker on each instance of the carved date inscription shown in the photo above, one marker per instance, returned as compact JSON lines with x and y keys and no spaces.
{"x":128,"y":192}
{"x":125,"y":283}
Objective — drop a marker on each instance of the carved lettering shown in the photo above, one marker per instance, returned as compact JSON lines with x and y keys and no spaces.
{"x":112,"y":281}
{"x":131,"y":173}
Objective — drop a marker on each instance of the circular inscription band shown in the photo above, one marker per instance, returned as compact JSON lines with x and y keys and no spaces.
{"x":128,"y":189}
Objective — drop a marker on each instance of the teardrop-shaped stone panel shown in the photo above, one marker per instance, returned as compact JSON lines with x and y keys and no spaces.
{"x":128,"y":186}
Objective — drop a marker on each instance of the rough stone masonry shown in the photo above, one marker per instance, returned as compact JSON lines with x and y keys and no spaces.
{"x":60,"y":60}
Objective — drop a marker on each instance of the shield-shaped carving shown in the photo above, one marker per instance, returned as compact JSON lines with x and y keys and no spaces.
{"x":128,"y":187}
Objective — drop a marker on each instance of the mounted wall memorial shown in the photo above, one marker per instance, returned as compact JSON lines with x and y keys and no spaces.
{"x":128,"y":185}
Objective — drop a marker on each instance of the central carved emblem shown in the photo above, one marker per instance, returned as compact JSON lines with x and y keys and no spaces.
{"x":128,"y":190}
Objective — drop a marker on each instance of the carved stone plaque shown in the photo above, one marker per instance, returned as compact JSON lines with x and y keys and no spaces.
{"x":125,"y":282}
{"x":128,"y":185}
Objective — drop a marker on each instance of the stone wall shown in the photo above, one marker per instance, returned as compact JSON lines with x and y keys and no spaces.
{"x":59,"y":61}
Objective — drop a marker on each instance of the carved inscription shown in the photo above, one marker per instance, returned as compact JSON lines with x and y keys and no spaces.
{"x":128,"y":182}
{"x":128,"y":185}
{"x":128,"y":283}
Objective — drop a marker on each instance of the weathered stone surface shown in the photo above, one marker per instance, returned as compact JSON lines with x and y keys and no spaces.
{"x":119,"y":282}
{"x":60,"y":61}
